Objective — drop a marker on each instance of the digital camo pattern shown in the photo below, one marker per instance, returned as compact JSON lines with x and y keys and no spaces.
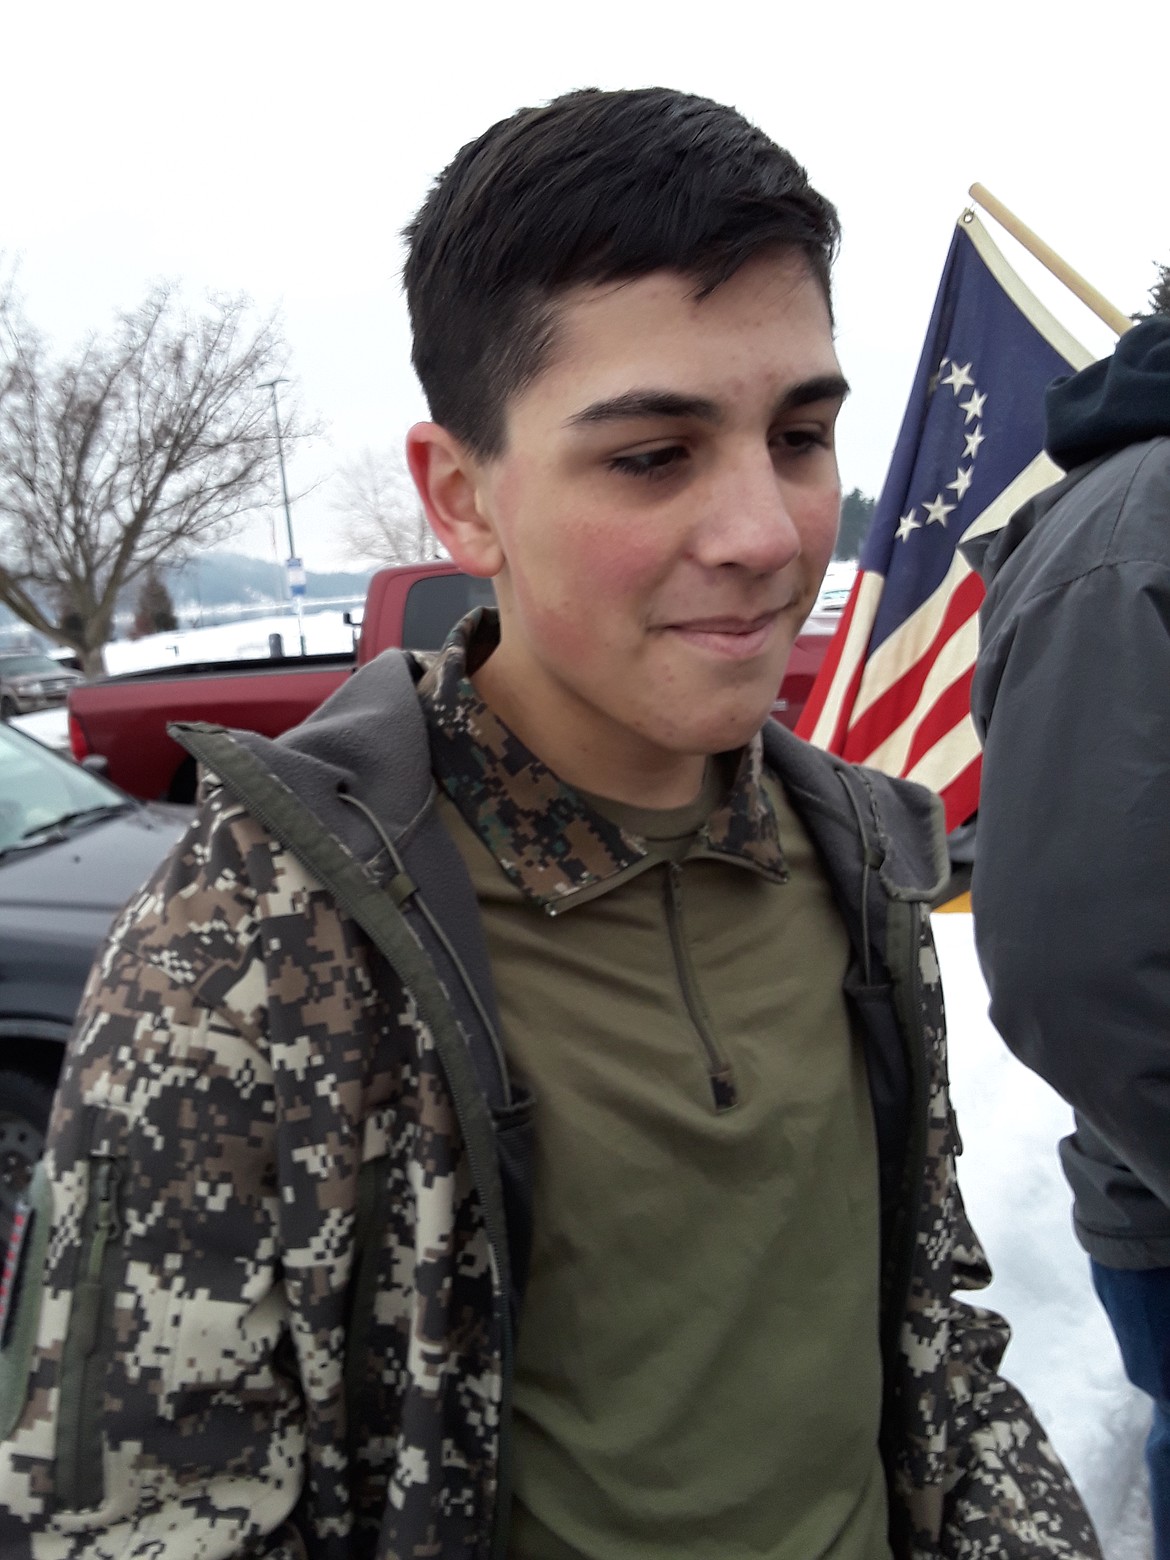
{"x":544,"y":834}
{"x":239,"y":1059}
{"x":974,"y":1472}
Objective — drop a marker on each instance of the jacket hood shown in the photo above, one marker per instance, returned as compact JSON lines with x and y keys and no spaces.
{"x":362,"y":744}
{"x":1121,"y":400}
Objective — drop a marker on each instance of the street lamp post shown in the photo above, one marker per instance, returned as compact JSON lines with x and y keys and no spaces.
{"x":296,"y":577}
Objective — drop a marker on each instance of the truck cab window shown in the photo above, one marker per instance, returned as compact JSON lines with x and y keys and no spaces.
{"x":435,"y":604}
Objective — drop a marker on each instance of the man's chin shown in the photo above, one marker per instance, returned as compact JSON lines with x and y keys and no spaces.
{"x":721,"y":734}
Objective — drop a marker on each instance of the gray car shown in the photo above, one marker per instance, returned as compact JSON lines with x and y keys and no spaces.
{"x":32,"y":682}
{"x":73,"y":848}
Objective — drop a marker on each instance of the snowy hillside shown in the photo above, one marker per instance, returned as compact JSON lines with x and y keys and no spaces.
{"x":1063,"y":1356}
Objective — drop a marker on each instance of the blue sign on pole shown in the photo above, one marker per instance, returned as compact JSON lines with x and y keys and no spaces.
{"x":296,"y":577}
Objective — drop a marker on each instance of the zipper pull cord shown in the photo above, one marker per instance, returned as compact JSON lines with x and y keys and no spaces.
{"x":401,"y":888}
{"x":108,"y":1226}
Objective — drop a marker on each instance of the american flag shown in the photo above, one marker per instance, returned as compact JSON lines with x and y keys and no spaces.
{"x":894,"y":689}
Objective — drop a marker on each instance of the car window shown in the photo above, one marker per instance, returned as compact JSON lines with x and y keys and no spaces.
{"x":436,"y":603}
{"x":37,"y":787}
{"x":29,"y":666}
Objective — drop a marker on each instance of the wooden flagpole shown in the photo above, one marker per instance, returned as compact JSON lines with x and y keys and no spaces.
{"x":1073,"y":280}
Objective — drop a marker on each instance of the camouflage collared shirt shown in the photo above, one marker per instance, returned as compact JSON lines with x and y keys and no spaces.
{"x":545,"y":836}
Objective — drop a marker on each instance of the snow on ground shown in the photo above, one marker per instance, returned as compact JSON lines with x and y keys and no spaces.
{"x":325,"y":632}
{"x":1063,"y":1356}
{"x":48,"y":726}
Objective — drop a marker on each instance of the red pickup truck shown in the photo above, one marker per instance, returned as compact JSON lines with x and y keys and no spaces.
{"x":123,"y":719}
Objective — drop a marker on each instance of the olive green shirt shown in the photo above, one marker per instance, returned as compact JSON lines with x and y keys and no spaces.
{"x":698,"y":1368}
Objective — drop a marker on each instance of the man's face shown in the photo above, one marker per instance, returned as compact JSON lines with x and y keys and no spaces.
{"x":665,"y":508}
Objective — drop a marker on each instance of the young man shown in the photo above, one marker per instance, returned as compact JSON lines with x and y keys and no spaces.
{"x":515,"y":1123}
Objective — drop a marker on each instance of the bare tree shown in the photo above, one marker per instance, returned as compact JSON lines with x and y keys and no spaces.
{"x":379,"y":509}
{"x":140,"y":447}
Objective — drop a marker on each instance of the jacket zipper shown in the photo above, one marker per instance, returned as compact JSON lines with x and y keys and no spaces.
{"x":719,"y":1071}
{"x":83,"y":1369}
{"x":900,"y":1268}
{"x":479,"y":1153}
{"x":897,"y":1273}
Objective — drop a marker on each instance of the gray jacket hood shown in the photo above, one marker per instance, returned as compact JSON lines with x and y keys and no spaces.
{"x":1124,"y":399}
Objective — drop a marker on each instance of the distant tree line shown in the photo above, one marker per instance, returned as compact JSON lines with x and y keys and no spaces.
{"x":219,"y":579}
{"x":856,"y":510}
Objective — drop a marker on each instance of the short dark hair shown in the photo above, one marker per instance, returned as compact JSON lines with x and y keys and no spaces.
{"x":593,"y":187}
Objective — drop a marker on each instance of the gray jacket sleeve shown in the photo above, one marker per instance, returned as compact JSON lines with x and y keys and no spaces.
{"x":1072,"y":878}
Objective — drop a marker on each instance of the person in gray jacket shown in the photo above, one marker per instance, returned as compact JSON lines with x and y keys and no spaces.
{"x":1072,"y":874}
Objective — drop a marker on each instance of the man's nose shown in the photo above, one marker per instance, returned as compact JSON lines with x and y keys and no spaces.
{"x":747,"y":520}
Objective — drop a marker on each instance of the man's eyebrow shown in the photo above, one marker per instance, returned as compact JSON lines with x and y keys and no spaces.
{"x":646,"y":403}
{"x":825,"y":387}
{"x":668,"y":403}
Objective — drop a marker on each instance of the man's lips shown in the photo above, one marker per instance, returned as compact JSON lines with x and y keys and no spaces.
{"x":734,"y":638}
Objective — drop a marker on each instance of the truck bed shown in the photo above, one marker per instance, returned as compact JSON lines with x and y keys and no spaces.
{"x":124,"y":718}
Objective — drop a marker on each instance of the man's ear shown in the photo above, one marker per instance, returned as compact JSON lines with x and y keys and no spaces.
{"x":447,"y":477}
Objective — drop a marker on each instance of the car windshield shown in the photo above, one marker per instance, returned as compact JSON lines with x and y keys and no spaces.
{"x":28,"y":666}
{"x":41,"y":792}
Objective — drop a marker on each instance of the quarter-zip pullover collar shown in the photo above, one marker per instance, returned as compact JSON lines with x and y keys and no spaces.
{"x":547,"y":838}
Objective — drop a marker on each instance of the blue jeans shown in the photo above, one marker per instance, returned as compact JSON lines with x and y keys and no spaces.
{"x":1138,"y":1305}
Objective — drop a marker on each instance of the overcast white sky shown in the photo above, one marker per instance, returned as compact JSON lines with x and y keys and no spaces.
{"x":278,"y":149}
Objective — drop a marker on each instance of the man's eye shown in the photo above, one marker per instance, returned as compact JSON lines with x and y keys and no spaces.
{"x":801,"y":441}
{"x":651,"y":464}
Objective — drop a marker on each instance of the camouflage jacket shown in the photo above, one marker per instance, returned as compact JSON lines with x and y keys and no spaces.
{"x":266,"y":1303}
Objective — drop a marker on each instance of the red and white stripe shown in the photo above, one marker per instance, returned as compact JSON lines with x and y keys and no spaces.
{"x":906,"y":709}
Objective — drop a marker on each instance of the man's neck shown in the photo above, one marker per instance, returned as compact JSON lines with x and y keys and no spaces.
{"x":612,"y":765}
